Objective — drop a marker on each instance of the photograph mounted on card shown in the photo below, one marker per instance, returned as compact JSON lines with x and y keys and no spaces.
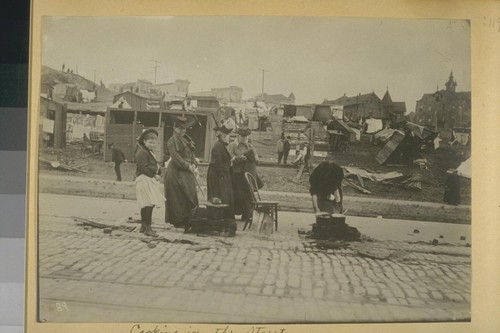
{"x":210,"y":173}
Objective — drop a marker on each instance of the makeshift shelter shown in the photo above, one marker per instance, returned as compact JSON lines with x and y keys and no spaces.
{"x":289,"y":111}
{"x":425,"y":135}
{"x":465,"y":169}
{"x":461,"y":135}
{"x":136,"y":101}
{"x":87,"y":96}
{"x":52,"y":124}
{"x":121,"y":104}
{"x":337,"y":111}
{"x":322,"y":113}
{"x":71,"y":94}
{"x":400,"y":149}
{"x":123,"y":127}
{"x":383,"y":136}
{"x":306,"y":111}
{"x":340,"y":126}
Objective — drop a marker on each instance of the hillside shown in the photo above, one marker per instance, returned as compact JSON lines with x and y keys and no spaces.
{"x":54,"y":77}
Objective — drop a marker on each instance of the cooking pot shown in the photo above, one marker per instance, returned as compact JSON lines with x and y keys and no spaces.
{"x":338,"y":218}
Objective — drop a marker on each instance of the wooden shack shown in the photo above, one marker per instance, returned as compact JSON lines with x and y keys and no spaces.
{"x":124,"y":126}
{"x":52,"y":125}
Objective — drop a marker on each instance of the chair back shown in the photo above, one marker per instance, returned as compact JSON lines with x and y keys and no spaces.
{"x":252,"y":186}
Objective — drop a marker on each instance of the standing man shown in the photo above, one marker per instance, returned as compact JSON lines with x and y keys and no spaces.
{"x":279,"y":147}
{"x":286,"y":148}
{"x":117,"y":157}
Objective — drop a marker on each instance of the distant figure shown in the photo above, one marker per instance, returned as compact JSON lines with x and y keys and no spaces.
{"x":299,"y":154}
{"x":307,"y":157}
{"x":117,"y":157}
{"x":230,"y":123}
{"x":279,"y":147}
{"x":286,"y":149}
{"x":452,"y":188}
{"x":241,"y":119}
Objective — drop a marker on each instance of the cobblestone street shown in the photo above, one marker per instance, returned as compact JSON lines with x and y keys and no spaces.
{"x":89,"y":276}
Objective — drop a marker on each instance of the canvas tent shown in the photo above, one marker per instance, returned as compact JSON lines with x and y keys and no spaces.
{"x":373,"y":125}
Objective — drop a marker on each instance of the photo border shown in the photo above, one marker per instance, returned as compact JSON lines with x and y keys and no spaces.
{"x":484,"y":17}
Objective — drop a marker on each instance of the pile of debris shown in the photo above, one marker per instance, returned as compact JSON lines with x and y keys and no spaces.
{"x":81,"y":167}
{"x":393,"y":178}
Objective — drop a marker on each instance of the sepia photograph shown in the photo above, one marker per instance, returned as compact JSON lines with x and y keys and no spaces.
{"x":253,"y":170}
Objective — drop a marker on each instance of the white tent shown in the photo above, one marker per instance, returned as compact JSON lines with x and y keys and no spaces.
{"x":464,"y":170}
{"x":374,"y":125}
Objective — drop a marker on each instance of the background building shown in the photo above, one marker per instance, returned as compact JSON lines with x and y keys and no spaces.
{"x":172,"y":90}
{"x":445,"y":108}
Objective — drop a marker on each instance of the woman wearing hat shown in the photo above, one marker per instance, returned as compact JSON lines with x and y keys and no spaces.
{"x":219,"y":181}
{"x":244,"y":158}
{"x":182,"y":198}
{"x":147,"y":180}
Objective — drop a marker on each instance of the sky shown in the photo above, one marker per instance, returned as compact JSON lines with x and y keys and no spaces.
{"x":313,"y":57}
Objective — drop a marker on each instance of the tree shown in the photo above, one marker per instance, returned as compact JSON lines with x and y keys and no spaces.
{"x":63,"y":67}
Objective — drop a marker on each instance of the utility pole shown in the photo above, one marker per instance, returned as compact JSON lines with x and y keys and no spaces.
{"x":155,"y":67}
{"x":263,"y":71}
{"x":94,"y":75}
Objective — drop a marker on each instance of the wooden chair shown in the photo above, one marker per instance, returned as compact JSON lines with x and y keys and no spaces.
{"x":257,"y":202}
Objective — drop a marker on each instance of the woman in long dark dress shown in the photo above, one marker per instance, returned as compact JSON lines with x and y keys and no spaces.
{"x":244,"y":158}
{"x":182,"y":198}
{"x":326,"y":188}
{"x":219,"y":180}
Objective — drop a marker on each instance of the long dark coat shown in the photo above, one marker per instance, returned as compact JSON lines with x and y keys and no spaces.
{"x":219,"y":180}
{"x":180,"y":183}
{"x":452,"y":191}
{"x":242,"y":192}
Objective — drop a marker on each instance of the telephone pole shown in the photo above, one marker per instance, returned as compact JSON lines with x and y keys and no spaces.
{"x":263,"y":71}
{"x":94,"y":75}
{"x":155,"y":67}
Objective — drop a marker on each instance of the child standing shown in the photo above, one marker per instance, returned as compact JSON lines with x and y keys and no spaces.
{"x":147,"y":180}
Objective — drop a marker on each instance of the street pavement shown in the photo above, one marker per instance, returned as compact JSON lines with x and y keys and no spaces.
{"x":394,"y":275}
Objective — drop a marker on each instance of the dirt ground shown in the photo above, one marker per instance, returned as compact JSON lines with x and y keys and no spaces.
{"x":283,"y":179}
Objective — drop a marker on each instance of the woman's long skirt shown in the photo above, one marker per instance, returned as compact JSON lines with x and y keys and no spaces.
{"x":182,"y":198}
{"x":221,"y":187}
{"x":242,"y":196}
